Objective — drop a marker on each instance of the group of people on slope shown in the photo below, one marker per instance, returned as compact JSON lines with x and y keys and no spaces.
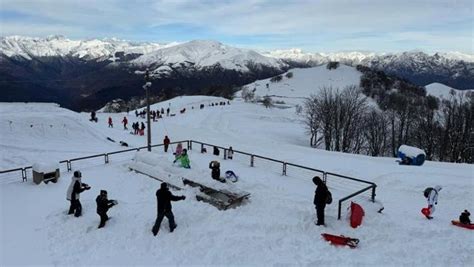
{"x":76,"y":187}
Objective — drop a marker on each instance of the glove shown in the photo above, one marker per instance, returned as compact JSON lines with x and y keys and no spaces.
{"x":183,"y":197}
{"x":174,"y":161}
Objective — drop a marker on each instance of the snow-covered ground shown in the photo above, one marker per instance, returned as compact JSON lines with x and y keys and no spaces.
{"x":275,"y":227}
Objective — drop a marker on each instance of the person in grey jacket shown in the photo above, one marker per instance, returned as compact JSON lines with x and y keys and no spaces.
{"x":76,"y":187}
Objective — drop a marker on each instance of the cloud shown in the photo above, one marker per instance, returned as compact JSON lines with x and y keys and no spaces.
{"x":271,"y":23}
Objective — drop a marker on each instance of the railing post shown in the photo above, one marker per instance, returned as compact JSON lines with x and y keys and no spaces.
{"x":373,"y":193}
{"x":202,"y":148}
{"x":339,"y":211}
{"x":251,"y":160}
{"x":284,"y":168}
{"x":190,"y":144}
{"x":69,"y":166}
{"x":23,"y":175}
{"x":325,"y":177}
{"x":225,"y":154}
{"x":187,"y":144}
{"x":106,"y":158}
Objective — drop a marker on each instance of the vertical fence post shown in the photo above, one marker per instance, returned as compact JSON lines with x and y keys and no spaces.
{"x":23,"y":175}
{"x":339,"y":211}
{"x":202,"y":148}
{"x":325,"y":177}
{"x":373,"y":192}
{"x":284,"y":168}
{"x":106,"y":156}
{"x":225,"y":153}
{"x":251,"y":160}
{"x":187,"y":144}
{"x":69,"y":166}
{"x":190,"y":144}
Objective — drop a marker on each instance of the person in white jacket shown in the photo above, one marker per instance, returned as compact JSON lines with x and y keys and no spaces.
{"x":76,"y":187}
{"x":433,"y":200}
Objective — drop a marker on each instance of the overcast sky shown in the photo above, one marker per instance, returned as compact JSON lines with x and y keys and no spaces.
{"x":314,"y":26}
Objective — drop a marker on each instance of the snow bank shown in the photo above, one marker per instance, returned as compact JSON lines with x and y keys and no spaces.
{"x":45,"y":167}
{"x":411,"y":151}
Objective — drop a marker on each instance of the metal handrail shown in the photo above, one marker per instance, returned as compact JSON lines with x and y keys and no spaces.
{"x":353,"y":195}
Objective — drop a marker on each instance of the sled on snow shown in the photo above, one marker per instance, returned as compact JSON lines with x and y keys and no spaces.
{"x":357,"y":213}
{"x":463,"y":225}
{"x":221,"y":199}
{"x":340,"y":240}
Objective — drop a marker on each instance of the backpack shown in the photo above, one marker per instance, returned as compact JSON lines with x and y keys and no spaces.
{"x":427,"y":191}
{"x":329,"y":198}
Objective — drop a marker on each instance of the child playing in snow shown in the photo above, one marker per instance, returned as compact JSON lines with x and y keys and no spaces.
{"x":184,"y":159}
{"x":432,"y":200}
{"x":464,"y":218}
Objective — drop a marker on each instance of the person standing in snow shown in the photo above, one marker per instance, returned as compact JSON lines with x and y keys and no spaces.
{"x":320,"y":197}
{"x":179,"y":150}
{"x":167,"y":111}
{"x":216,"y":151}
{"x":215,"y":167}
{"x":432,"y":200}
{"x":166,"y":143}
{"x":183,"y":159}
{"x":164,"y":198}
{"x":230,"y":153}
{"x":125,"y":122}
{"x":103,"y":205}
{"x":76,"y":187}
{"x":111,"y":125}
{"x":142,"y":129}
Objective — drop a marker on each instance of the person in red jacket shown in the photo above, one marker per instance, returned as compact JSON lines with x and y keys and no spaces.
{"x":166,"y":142}
{"x":111,"y":125}
{"x":125,"y":122}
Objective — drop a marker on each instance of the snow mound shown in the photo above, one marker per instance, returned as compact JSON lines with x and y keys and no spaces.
{"x":443,"y":91}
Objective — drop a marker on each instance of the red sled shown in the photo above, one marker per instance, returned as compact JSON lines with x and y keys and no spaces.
{"x":463,"y":225}
{"x":426,"y":211}
{"x":340,"y":240}
{"x":357,"y":212}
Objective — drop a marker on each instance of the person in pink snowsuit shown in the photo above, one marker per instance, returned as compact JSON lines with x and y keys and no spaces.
{"x":179,"y":150}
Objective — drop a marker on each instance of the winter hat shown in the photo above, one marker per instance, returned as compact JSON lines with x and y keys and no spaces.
{"x":77,"y":174}
{"x":317,"y":180}
{"x":164,"y":185}
{"x":103,"y":192}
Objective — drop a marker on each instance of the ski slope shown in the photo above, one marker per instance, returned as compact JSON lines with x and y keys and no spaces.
{"x":275,"y":227}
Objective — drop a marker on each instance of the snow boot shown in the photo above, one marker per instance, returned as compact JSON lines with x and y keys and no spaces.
{"x":173,"y":227}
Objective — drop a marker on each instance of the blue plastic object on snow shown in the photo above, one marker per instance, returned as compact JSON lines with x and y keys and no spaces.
{"x":411,"y":155}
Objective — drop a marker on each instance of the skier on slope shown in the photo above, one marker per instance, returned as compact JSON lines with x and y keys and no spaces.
{"x":103,"y":205}
{"x":166,"y":143}
{"x":125,"y":122}
{"x":76,"y":187}
{"x":111,"y":125}
{"x":432,"y":199}
{"x":320,"y":197}
{"x":164,"y":198}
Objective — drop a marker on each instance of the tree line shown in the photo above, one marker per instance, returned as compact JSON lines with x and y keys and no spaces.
{"x":386,"y":112}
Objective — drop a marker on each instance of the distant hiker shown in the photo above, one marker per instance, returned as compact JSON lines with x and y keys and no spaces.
{"x":464,"y":218}
{"x":93,"y":117}
{"x":183,"y":159}
{"x":103,"y":205}
{"x":164,"y":198}
{"x":111,"y":125}
{"x":125,"y":122}
{"x":136,"y":113}
{"x":230,"y":153}
{"x":162,"y":111}
{"x":142,"y":129}
{"x":431,"y":195}
{"x":167,"y":111}
{"x":76,"y":187}
{"x":135,"y":128}
{"x":216,"y":151}
{"x":179,"y":150}
{"x":166,"y":143}
{"x":215,"y":166}
{"x":320,"y":198}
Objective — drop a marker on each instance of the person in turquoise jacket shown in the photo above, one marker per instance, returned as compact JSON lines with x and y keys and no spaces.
{"x":184,"y":159}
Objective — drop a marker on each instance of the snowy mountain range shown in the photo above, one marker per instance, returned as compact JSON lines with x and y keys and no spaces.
{"x":83,"y":74}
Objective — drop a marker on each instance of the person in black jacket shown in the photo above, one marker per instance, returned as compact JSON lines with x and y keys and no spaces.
{"x":164,"y":198}
{"x":103,"y":205}
{"x":215,"y":166}
{"x":76,"y":187}
{"x":320,"y":197}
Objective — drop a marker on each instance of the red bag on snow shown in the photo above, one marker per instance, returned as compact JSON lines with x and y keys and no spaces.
{"x":357,"y":212}
{"x":426,"y":211}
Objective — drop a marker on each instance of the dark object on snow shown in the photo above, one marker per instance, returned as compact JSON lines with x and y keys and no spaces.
{"x":182,"y":111}
{"x":216,"y":151}
{"x":230,"y":175}
{"x":103,"y":205}
{"x":411,"y":155}
{"x":341,"y":240}
{"x":110,"y":139}
{"x":215,"y":166}
{"x":122,"y":143}
{"x":464,"y":218}
{"x":201,"y":106}
{"x":93,"y":117}
{"x":164,"y":198}
{"x":221,"y":199}
{"x":463,"y":225}
{"x":320,"y":199}
{"x":166,"y":143}
{"x":203,"y":150}
{"x":427,"y":191}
